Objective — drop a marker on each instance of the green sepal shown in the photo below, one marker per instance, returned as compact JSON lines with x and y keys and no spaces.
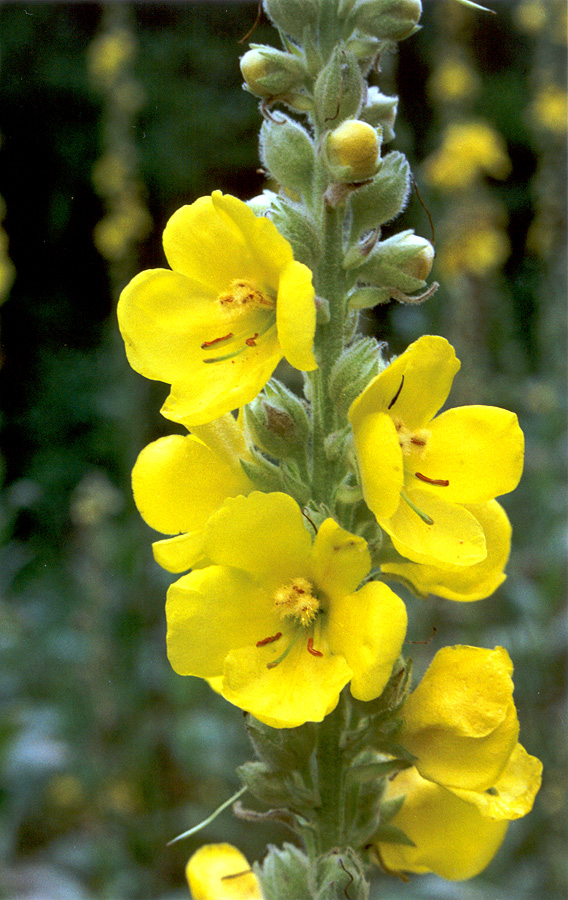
{"x":264,"y":475}
{"x":390,"y":834}
{"x":387,"y":20}
{"x":282,"y":748}
{"x":284,"y":873}
{"x":383,"y":199}
{"x":287,"y":153}
{"x":352,"y":372}
{"x":285,"y":789}
{"x":292,"y":16}
{"x":339,"y":89}
{"x":380,"y":110}
{"x":389,"y":808}
{"x":295,"y":224}
{"x":340,"y":874}
{"x":375,"y":770}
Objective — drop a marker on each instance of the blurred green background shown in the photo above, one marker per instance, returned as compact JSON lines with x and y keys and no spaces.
{"x":111,"y":117}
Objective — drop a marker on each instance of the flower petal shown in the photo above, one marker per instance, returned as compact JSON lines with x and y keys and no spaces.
{"x":465,"y":583}
{"x":210,"y":612}
{"x":478,"y":449}
{"x":296,"y":316}
{"x":221,"y":872}
{"x":512,"y":796}
{"x":380,"y":462}
{"x":461,"y":722}
{"x":452,"y":839}
{"x":178,"y":482}
{"x":339,"y":560}
{"x":179,"y":553}
{"x":301,"y":688}
{"x":218,"y":239}
{"x":368,"y":628}
{"x":413,"y":387}
{"x":263,"y":534}
{"x":454,"y":538}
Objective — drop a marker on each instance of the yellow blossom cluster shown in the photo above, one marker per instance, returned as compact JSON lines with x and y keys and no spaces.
{"x":468,"y":149}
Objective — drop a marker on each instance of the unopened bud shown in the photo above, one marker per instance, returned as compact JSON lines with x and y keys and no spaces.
{"x":380,"y":110}
{"x":292,"y":16}
{"x":387,"y":20}
{"x":395,"y":268}
{"x":339,"y":88}
{"x":352,"y":151}
{"x":269,"y":72}
{"x":277,"y":422}
{"x":352,"y":372}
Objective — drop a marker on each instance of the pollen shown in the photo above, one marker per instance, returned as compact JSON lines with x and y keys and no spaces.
{"x":410,"y":441}
{"x":296,"y":601}
{"x":243,"y":296}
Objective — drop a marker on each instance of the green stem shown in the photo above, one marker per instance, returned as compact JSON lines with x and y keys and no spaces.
{"x":331,"y":782}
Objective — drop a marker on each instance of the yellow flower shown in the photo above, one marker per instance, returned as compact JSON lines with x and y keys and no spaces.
{"x":179,"y":481}
{"x":465,"y":583}
{"x":469,"y":149}
{"x":421,"y":475}
{"x":549,"y":109}
{"x":221,"y":872}
{"x":470,"y":775}
{"x":451,"y":838}
{"x":453,"y":80}
{"x":216,"y":325}
{"x":276,"y":622}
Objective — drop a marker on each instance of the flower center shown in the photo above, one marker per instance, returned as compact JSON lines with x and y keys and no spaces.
{"x":296,"y":601}
{"x":410,"y":441}
{"x":242,"y":297}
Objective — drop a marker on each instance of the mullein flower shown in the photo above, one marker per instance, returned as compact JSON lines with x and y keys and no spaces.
{"x":216,"y":325}
{"x":179,"y":481}
{"x":464,"y":583}
{"x":421,"y":475}
{"x":221,"y":872}
{"x":277,"y":623}
{"x":470,"y":775}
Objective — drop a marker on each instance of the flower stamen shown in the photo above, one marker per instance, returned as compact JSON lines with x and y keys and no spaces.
{"x":272,"y":665}
{"x":311,"y":648}
{"x":269,"y":640}
{"x":442,"y":482}
{"x":295,"y":600}
{"x":206,"y":344}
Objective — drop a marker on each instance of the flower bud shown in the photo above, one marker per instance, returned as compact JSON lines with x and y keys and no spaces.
{"x":277,"y":422}
{"x":396,"y":267}
{"x":387,"y":20}
{"x":380,"y":111}
{"x":292,"y":16}
{"x":269,"y":72}
{"x":352,"y":372}
{"x":339,"y":88}
{"x":287,"y":152}
{"x":352,"y":151}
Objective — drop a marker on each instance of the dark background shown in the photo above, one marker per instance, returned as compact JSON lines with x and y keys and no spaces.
{"x":111,"y":117}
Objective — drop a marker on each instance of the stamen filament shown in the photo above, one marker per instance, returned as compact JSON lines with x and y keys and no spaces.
{"x":272,"y":665}
{"x":206,"y":344}
{"x":424,"y":516}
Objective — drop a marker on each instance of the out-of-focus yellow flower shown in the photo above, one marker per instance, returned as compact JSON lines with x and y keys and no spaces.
{"x":421,"y":475}
{"x":276,"y":621}
{"x":216,"y":325}
{"x":453,"y":80}
{"x":531,"y":15}
{"x":221,"y":872}
{"x":549,"y":109}
{"x":477,"y":248}
{"x":461,"y":726}
{"x":465,"y":583}
{"x":109,"y":54}
{"x":468,"y":150}
{"x":179,"y":481}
